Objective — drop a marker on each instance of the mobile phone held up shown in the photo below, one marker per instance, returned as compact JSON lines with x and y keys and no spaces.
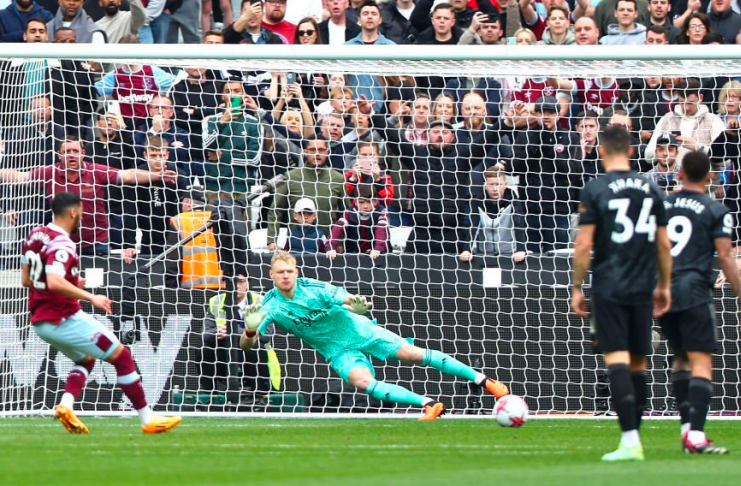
{"x":236,"y":102}
{"x":290,"y":78}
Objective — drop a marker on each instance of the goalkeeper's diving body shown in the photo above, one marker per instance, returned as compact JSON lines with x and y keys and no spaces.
{"x":331,"y":321}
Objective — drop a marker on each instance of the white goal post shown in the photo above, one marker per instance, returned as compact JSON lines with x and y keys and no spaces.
{"x":507,"y":316}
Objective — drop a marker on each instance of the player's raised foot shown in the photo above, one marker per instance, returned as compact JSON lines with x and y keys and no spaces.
{"x":432,"y":411}
{"x":160,"y":424}
{"x":496,"y":388}
{"x":625,"y":454}
{"x":706,"y":447}
{"x":70,"y":421}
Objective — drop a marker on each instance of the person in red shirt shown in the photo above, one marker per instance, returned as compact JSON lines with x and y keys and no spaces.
{"x":273,"y":19}
{"x":72,"y":173}
{"x":50,"y":270}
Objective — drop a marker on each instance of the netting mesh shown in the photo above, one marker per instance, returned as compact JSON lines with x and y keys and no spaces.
{"x":445,"y":191}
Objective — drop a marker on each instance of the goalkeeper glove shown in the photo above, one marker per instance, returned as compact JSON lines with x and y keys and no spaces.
{"x":358,"y":305}
{"x":253,"y":317}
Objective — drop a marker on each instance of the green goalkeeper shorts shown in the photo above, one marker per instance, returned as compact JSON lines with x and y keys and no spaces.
{"x":383,"y":345}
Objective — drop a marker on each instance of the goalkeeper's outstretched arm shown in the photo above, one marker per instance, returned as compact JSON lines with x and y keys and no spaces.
{"x":253,"y":319}
{"x":246,"y":342}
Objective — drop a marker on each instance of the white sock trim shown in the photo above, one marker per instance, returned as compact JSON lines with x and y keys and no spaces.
{"x":145,"y":415}
{"x":81,"y":369}
{"x":630,"y":438}
{"x":68,"y":400}
{"x":128,"y":379}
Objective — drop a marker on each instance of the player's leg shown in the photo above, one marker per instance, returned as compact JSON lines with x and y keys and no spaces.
{"x":445,"y":363}
{"x":680,"y":374}
{"x":61,"y":337}
{"x":612,"y":323}
{"x":638,"y":378}
{"x":699,"y":333}
{"x":355,"y":368}
{"x":130,"y":383}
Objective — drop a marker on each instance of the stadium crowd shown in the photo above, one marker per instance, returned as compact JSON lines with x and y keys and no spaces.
{"x":475,"y":166}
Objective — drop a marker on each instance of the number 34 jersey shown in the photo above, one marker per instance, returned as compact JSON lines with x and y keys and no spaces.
{"x":47,"y":250}
{"x":695,"y":221}
{"x":626,"y":209}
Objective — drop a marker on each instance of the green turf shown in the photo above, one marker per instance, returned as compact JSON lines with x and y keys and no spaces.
{"x":352,"y":452}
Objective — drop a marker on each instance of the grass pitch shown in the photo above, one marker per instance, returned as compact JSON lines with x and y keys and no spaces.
{"x":243,"y":451}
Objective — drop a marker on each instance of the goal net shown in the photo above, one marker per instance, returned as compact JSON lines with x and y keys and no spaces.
{"x":442,"y":185}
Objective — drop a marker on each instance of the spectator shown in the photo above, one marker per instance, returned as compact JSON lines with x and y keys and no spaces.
{"x":415,"y":132}
{"x":353,"y":11}
{"x":14,"y":17}
{"x":118,"y":23}
{"x":336,"y":29}
{"x":587,"y":127}
{"x":368,"y":85}
{"x":248,"y":27}
{"x":198,"y":265}
{"x":72,"y":173}
{"x":367,"y":172}
{"x":71,"y":14}
{"x":485,"y":29}
{"x":316,"y":181}
{"x":489,"y":88}
{"x":184,"y":22}
{"x":443,"y":30}
{"x":362,"y":229}
{"x":291,"y":126}
{"x":274,"y":20}
{"x":233,"y":142}
{"x":216,"y":356}
{"x":484,"y":140}
{"x":626,"y":31}
{"x":424,"y":12}
{"x":112,"y":144}
{"x":695,"y":28}
{"x":658,"y":11}
{"x":307,"y":32}
{"x":161,"y":122}
{"x":729,"y":103}
{"x":149,"y":208}
{"x":333,"y":129}
{"x":665,"y":172}
{"x":558,"y":32}
{"x":207,"y":8}
{"x":492,"y":227}
{"x":691,"y":122}
{"x":713,"y":38}
{"x":586,"y":32}
{"x":525,"y":91}
{"x":323,"y":105}
{"x":725,"y":21}
{"x":196,"y":97}
{"x":546,"y":160}
{"x":304,"y":236}
{"x":213,"y":37}
{"x":157,"y":25}
{"x":396,"y":24}
{"x":134,"y":86}
{"x":525,"y":36}
{"x":595,"y":94}
{"x":341,"y":100}
{"x":639,"y":161}
{"x":604,"y":14}
{"x":656,"y":35}
{"x":444,"y":109}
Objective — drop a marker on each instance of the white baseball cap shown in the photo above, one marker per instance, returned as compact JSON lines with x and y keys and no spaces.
{"x":304,"y":204}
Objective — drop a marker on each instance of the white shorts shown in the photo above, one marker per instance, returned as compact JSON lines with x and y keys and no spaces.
{"x":78,"y":336}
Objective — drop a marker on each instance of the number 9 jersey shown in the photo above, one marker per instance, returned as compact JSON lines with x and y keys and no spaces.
{"x":47,"y":250}
{"x":695,"y":222}
{"x":626,"y":210}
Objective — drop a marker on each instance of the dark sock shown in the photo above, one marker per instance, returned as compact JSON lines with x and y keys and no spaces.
{"x":700,"y":392}
{"x":623,"y":396}
{"x":681,"y":387}
{"x":639,"y":389}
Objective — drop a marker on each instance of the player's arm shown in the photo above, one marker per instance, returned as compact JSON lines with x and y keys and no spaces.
{"x":662,"y":294}
{"x":60,"y":285}
{"x":582,"y":251}
{"x":357,"y":304}
{"x":25,"y":275}
{"x":727,"y":263}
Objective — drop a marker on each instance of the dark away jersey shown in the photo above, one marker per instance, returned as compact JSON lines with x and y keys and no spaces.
{"x":626,"y":209}
{"x":695,"y":221}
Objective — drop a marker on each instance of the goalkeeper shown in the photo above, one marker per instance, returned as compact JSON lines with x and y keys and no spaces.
{"x":331,"y":321}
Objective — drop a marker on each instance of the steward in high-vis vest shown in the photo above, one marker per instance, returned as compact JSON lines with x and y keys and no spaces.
{"x":199,"y":267}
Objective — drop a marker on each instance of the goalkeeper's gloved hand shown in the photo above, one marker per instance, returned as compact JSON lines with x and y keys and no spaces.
{"x":358,"y":305}
{"x":253,"y":317}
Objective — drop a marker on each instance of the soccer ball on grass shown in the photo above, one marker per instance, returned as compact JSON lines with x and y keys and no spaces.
{"x":511,"y":411}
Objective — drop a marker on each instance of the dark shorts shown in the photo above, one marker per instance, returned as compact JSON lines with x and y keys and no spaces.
{"x":691,"y":329}
{"x":622,"y":327}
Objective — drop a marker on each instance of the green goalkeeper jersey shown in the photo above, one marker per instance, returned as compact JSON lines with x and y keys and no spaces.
{"x":315,"y":314}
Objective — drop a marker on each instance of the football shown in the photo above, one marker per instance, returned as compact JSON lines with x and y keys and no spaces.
{"x":511,"y":411}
